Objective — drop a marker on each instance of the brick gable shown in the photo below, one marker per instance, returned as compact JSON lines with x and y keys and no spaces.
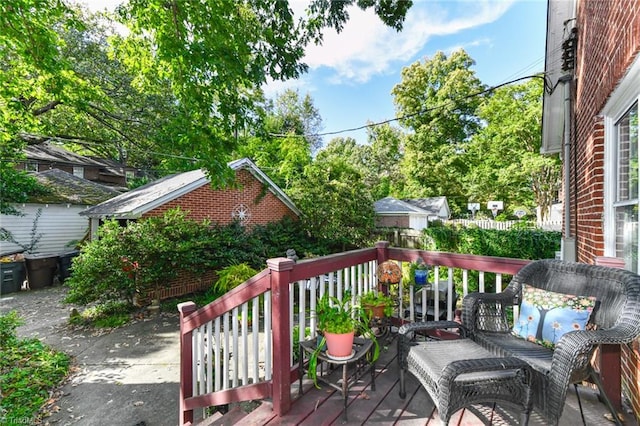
{"x":217,"y":205}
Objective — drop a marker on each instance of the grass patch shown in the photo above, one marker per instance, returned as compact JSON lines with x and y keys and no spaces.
{"x":106,"y":315}
{"x":29,"y":370}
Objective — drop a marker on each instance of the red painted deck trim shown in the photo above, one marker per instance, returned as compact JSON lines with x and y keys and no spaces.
{"x":244,"y":393}
{"x":502,"y":265}
{"x":254,"y":287}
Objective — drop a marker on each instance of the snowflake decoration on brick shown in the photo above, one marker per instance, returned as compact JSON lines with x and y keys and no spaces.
{"x":242,"y":213}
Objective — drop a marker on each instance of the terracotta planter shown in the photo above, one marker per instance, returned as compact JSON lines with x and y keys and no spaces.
{"x":377,"y":311}
{"x":339,"y":345}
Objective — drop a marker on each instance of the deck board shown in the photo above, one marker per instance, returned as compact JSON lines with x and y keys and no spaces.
{"x":382,"y":407}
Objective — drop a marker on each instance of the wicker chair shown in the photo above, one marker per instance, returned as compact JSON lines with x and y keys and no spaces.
{"x":616,"y":320}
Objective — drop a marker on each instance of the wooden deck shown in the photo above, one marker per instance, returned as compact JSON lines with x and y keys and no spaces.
{"x":384,"y":407}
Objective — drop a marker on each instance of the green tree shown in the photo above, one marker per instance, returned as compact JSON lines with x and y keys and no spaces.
{"x":437,"y":101}
{"x":504,"y":157}
{"x":335,"y":203}
{"x":217,"y":55}
{"x":212,"y":57}
{"x":285,"y":137}
{"x":382,"y":162}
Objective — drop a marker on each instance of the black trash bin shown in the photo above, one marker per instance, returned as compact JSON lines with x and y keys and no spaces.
{"x":64,"y":264}
{"x":12,"y":276}
{"x":41,"y":269}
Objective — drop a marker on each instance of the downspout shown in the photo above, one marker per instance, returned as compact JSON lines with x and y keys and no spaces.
{"x":568,"y":242}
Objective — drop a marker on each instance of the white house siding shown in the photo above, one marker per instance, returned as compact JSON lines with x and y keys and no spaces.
{"x":418,"y":222}
{"x":60,"y":225}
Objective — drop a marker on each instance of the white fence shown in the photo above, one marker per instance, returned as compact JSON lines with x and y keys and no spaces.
{"x":492,"y":224}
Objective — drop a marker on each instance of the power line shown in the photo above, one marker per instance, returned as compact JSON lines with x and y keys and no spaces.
{"x":423,"y":111}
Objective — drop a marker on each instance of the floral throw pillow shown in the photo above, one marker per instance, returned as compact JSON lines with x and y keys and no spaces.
{"x":545,"y":315}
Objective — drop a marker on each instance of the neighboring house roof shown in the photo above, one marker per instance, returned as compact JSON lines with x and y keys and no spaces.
{"x":393,"y":206}
{"x":432,"y":205}
{"x":47,"y":152}
{"x":65,"y":188}
{"x":136,"y":202}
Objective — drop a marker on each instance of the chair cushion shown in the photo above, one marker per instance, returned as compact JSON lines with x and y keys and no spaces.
{"x":545,"y":315}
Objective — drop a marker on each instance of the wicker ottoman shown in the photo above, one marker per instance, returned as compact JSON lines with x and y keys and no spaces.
{"x":459,"y":373}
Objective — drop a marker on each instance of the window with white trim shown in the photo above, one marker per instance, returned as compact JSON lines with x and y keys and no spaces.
{"x":625,"y":135}
{"x":622,"y":170}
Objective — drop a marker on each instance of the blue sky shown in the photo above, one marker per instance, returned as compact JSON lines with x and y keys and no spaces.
{"x":352,"y":73}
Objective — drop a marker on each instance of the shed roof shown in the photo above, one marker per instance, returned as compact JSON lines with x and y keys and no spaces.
{"x":432,"y":205}
{"x":65,"y":188}
{"x":390,"y":205}
{"x":136,"y":202}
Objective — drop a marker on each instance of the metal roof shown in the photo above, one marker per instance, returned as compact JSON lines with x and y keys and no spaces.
{"x":431,"y":205}
{"x":390,"y":205}
{"x":136,"y":202}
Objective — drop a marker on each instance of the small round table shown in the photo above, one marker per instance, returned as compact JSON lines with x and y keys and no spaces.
{"x":361,"y":346}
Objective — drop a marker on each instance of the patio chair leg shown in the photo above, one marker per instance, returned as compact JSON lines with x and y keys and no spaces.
{"x":596,"y":379}
{"x":403,"y":392}
{"x":575,"y":385}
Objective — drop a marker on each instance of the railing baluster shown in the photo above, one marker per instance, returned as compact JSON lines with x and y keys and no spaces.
{"x":234,"y":348}
{"x":450,"y":306}
{"x":312,"y":305}
{"x":195,"y":362}
{"x":481,"y":282}
{"x":255,"y":332}
{"x":245,"y":343}
{"x":465,"y":282}
{"x":436,"y":292}
{"x":209,"y":352}
{"x":225,"y":358}
{"x":267,"y":334}
{"x":498,"y":283}
{"x":218,"y":369}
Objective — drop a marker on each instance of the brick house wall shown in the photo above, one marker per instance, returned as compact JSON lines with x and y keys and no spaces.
{"x":216,"y":205}
{"x":608,"y":42}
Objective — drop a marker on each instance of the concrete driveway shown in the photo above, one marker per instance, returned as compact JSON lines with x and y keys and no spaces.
{"x":126,"y":376}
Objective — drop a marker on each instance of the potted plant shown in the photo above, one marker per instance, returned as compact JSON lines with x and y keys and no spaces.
{"x":338,"y":323}
{"x":376,"y":304}
{"x":420,"y":271}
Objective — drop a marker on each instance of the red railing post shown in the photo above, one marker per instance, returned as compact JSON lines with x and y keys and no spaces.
{"x":382,"y":248}
{"x":281,"y":380}
{"x":186,"y":363}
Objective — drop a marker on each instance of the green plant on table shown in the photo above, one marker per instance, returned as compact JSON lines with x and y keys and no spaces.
{"x":339,"y":317}
{"x":377,"y":298}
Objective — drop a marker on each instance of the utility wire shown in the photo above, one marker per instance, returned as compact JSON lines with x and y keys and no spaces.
{"x":423,"y":111}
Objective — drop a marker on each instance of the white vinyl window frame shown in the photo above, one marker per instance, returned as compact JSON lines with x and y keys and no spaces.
{"x":620,"y":102}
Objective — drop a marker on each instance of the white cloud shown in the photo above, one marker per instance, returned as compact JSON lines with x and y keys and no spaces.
{"x":273,"y":88}
{"x":366,"y":47}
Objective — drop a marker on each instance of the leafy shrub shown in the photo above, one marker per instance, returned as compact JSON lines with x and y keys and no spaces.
{"x":149,"y":253}
{"x":28,"y":371}
{"x":517,"y":242}
{"x":232,"y":276}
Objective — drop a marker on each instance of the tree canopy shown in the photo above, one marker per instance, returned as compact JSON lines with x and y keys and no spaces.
{"x":187,"y":75}
{"x":437,"y":100}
